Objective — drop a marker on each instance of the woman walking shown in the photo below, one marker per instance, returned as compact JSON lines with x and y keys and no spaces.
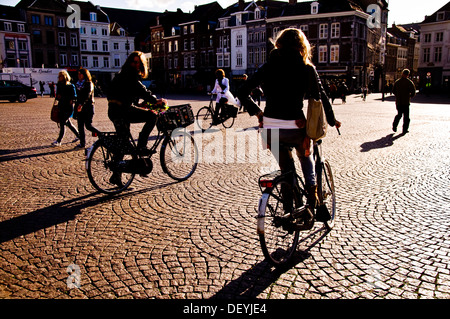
{"x":84,"y":111}
{"x":65,"y":95}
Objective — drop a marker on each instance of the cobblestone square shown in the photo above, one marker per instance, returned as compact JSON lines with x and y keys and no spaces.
{"x":197,"y":239}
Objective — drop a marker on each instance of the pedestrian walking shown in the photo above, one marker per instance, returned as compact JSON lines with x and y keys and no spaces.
{"x":51,"y":85}
{"x":65,"y":95}
{"x":84,"y":111}
{"x":41,"y":86}
{"x":403,"y":90}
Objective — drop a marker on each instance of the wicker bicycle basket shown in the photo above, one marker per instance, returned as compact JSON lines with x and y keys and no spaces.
{"x":175,"y":117}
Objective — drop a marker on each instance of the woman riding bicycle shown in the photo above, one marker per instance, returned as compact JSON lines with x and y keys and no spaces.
{"x":287,"y":79}
{"x":222,"y":89}
{"x":124,"y":92}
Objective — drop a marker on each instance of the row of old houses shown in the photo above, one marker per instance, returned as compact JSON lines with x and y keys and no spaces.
{"x":351,"y":40}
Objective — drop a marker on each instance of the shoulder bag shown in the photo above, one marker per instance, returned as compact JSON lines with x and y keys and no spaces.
{"x":54,"y":115}
{"x":316,"y":124}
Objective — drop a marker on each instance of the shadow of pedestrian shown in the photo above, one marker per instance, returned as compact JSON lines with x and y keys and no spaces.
{"x":383,"y":142}
{"x":59,"y":213}
{"x":10,"y":155}
{"x":261,"y":276}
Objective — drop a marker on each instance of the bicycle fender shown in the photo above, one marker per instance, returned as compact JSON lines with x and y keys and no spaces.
{"x":261,"y":213}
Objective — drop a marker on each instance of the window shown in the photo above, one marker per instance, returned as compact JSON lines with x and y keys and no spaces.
{"x":438,"y":54}
{"x":73,"y":40}
{"x":439,"y":36}
{"x":427,"y":37}
{"x":257,"y":14}
{"x":37,"y":36}
{"x":305,"y":29}
{"x":20,"y":27}
{"x":192,"y":28}
{"x":35,"y":19}
{"x":23,"y":45}
{"x":75,"y":60}
{"x":82,"y":30}
{"x":250,"y":55}
{"x":83,"y":45}
{"x":105,"y":46}
{"x":63,"y":59}
{"x":169,"y":46}
{"x":440,"y":16}
{"x":239,"y":59}
{"x":94,"y":31}
{"x":192,"y":44}
{"x":84,"y":62}
{"x":193,"y":61}
{"x":185,"y":29}
{"x":323,"y":31}
{"x":315,"y":7}
{"x":116,"y":46}
{"x":93,"y":16}
{"x":61,"y":23}
{"x":116,"y":60}
{"x":334,"y":54}
{"x":104,"y":31}
{"x":175,"y":45}
{"x":62,"y":39}
{"x":48,"y":20}
{"x":105,"y":62}
{"x":94,"y":45}
{"x":7,"y":26}
{"x":50,"y":35}
{"x":335,"y":30}
{"x":95,"y":62}
{"x":10,"y":44}
{"x":426,"y":55}
{"x":239,"y":40}
{"x":323,"y":54}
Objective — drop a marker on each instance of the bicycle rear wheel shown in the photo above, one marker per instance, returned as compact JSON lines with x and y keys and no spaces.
{"x":179,"y":155}
{"x":278,"y":240}
{"x":326,"y":192}
{"x":104,"y":171}
{"x":204,"y":118}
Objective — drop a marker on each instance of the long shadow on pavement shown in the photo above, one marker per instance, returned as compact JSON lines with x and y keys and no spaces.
{"x":58,"y":213}
{"x":255,"y":280}
{"x":383,"y":142}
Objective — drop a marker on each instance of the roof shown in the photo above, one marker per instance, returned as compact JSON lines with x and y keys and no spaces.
{"x":132,"y":21}
{"x":10,"y":13}
{"x":433,"y":18}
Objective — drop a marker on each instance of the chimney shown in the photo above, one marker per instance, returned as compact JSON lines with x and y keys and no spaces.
{"x":292,"y":2}
{"x":241,"y":5}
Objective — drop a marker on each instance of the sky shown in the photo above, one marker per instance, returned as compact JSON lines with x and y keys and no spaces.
{"x":400,"y":11}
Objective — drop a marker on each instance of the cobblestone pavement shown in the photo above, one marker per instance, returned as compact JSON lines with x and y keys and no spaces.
{"x":197,"y":239}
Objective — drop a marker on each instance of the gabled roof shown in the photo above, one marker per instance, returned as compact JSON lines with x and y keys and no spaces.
{"x":10,"y":13}
{"x":43,"y":5}
{"x":88,"y":7}
{"x":132,"y":21}
{"x":325,"y":6}
{"x":433,"y":18}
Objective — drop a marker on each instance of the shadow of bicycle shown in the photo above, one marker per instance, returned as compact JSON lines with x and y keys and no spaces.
{"x":258,"y":278}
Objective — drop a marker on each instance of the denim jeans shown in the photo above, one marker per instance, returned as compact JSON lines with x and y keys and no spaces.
{"x":280,"y":142}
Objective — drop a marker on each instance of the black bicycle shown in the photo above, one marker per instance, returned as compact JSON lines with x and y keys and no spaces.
{"x":112,"y":162}
{"x":227,"y":115}
{"x":283,"y":211}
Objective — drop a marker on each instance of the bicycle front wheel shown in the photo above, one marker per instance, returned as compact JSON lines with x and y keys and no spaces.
{"x":326,"y":192}
{"x":204,"y":118}
{"x":104,"y":170}
{"x":179,"y":155}
{"x":278,"y":241}
{"x":227,"y":123}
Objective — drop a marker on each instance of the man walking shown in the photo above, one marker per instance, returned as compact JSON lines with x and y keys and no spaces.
{"x":404,"y":90}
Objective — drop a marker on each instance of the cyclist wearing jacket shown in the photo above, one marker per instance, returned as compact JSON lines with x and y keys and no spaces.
{"x":287,"y":79}
{"x":124,"y":92}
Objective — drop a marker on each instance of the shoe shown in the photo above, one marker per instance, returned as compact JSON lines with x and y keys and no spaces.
{"x":394,"y":129}
{"x":116,"y":180}
{"x":305,"y":221}
{"x":80,"y":146}
{"x":313,"y":197}
{"x":56,"y":143}
{"x":76,"y":139}
{"x":322,"y":214}
{"x":404,"y":132}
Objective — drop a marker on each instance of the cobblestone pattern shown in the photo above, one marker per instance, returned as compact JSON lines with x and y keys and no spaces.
{"x":197,"y":239}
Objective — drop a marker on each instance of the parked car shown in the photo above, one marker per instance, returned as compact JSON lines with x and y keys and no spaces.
{"x":16,"y":91}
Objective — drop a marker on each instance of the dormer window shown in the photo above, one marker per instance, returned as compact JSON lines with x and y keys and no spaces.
{"x":440,"y":16}
{"x":93,"y":16}
{"x":257,"y":14}
{"x":173,"y":31}
{"x":315,"y":7}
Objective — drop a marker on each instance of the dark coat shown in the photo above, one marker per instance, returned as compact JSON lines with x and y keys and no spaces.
{"x":286,"y":81}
